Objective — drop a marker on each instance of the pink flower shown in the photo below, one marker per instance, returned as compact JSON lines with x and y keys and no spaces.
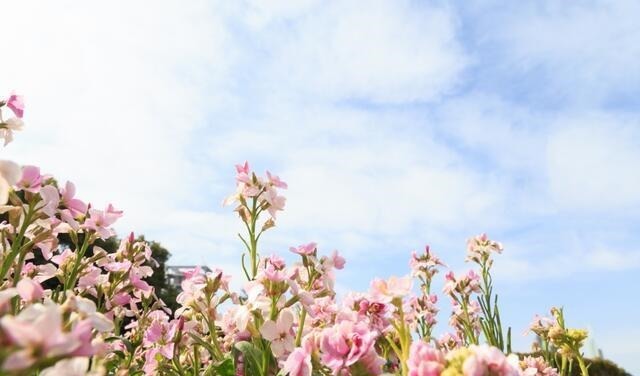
{"x":275,"y":181}
{"x":488,"y":360}
{"x":100,"y":221}
{"x":37,"y":332}
{"x":280,"y":333}
{"x":31,"y":179}
{"x":424,"y":360}
{"x":298,"y":363}
{"x":10,"y":174}
{"x":536,"y":367}
{"x":480,"y":247}
{"x":7,"y":128}
{"x":394,"y":287}
{"x":337,"y":260}
{"x":29,"y":290}
{"x":305,"y":249}
{"x":75,"y":206}
{"x":16,"y":104}
{"x":50,"y":200}
{"x":276,"y":203}
{"x":346,"y":343}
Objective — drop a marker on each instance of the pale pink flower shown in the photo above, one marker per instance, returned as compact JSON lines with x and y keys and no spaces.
{"x":76,"y":366}
{"x":10,"y":174}
{"x":426,"y":263}
{"x":100,"y":221}
{"x":337,"y":260}
{"x":29,"y":290}
{"x":305,"y":249}
{"x":74,"y":205}
{"x":50,"y":200}
{"x":279,"y":333}
{"x":298,"y":363}
{"x":8,"y":127}
{"x":394,"y":287}
{"x":531,"y":366}
{"x":425,"y":360}
{"x":345,"y":343}
{"x":480,"y":247}
{"x":16,"y":104}
{"x":488,"y":360}
{"x":37,"y":331}
{"x":275,"y":181}
{"x":31,"y":179}
{"x":276,"y":203}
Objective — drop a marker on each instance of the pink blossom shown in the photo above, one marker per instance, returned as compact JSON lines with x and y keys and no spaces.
{"x":75,"y":206}
{"x":16,"y":104}
{"x":10,"y":174}
{"x":394,"y":287}
{"x":488,"y":360}
{"x":305,"y":249}
{"x":31,"y":179}
{"x":276,"y":203}
{"x":531,"y":366}
{"x":100,"y":221}
{"x":37,"y":331}
{"x":280,"y":333}
{"x":8,"y":127}
{"x":29,"y":290}
{"x":337,"y":260}
{"x":275,"y":181}
{"x":298,"y":363}
{"x":345,"y":343}
{"x":424,"y":360}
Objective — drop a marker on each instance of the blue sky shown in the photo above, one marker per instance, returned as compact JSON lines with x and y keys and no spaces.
{"x":396,"y":124}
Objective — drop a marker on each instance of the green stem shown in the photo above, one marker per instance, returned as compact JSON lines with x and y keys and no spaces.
{"x":583,"y":366}
{"x":303,"y":317}
{"x":17,"y":244}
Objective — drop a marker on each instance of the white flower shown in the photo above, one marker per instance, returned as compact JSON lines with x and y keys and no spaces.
{"x":10,"y":174}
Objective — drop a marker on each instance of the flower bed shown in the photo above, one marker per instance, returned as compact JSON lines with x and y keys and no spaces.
{"x":102,"y":317}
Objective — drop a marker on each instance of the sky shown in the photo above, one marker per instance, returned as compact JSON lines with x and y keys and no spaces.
{"x":396,"y":124}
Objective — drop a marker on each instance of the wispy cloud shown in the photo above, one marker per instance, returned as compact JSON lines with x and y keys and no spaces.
{"x":397,"y":124}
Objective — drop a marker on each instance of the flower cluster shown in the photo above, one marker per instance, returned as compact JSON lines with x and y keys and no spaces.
{"x":69,"y":307}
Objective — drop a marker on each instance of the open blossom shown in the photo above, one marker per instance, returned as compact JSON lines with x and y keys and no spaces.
{"x":37,"y":334}
{"x":424,"y":360}
{"x":426,"y":263}
{"x":10,"y":174}
{"x":299,"y":361}
{"x":16,"y":104}
{"x":280,"y":333}
{"x":480,"y":247}
{"x":394,"y":287}
{"x":531,"y":366}
{"x":465,"y":285}
{"x":305,"y":249}
{"x":29,"y":290}
{"x":275,"y":181}
{"x":488,"y":360}
{"x":275,"y":201}
{"x":101,"y":220}
{"x":31,"y":179}
{"x":346,"y":343}
{"x":68,"y":200}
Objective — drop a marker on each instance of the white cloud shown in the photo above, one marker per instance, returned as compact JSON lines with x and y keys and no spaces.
{"x":386,"y":51}
{"x":592,"y":163}
{"x":113,"y":92}
{"x":587,"y":50}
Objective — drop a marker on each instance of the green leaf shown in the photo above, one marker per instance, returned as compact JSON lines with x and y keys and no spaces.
{"x":252,"y":356}
{"x":224,"y":368}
